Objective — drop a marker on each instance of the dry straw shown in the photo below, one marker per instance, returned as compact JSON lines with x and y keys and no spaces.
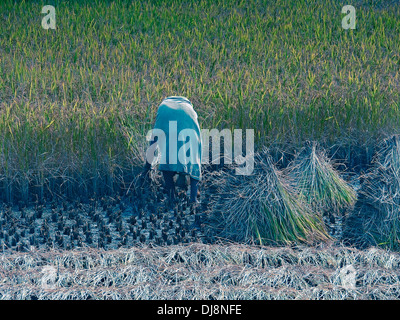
{"x":379,"y":212}
{"x":264,"y":208}
{"x":319,"y":183}
{"x":199,"y":271}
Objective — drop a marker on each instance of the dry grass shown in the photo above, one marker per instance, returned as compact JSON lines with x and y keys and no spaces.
{"x":319,"y":183}
{"x":264,"y":208}
{"x":199,"y":271}
{"x":377,"y":214}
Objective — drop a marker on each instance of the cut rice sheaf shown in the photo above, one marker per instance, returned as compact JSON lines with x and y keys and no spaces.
{"x":264,"y":208}
{"x":319,"y":183}
{"x":381,"y":194}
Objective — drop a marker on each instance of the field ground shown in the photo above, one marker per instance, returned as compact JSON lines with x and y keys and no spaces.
{"x":38,"y":265}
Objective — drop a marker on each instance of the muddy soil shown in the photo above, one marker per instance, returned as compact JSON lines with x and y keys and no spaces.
{"x":108,"y":223}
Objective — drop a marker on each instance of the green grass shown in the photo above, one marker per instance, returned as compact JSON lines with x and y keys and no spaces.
{"x":76,"y":102}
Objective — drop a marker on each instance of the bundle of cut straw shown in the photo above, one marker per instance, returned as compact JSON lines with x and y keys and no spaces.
{"x":381,"y":196}
{"x":319,"y":183}
{"x":264,"y":208}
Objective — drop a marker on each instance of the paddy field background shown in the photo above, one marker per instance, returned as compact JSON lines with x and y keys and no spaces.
{"x":75,"y":106}
{"x":77,"y":101}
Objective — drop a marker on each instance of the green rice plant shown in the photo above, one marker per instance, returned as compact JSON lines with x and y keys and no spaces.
{"x":264,"y":208}
{"x":318,"y":183}
{"x":285,"y":68}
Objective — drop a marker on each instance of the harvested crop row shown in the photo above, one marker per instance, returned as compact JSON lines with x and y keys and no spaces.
{"x":198,"y":271}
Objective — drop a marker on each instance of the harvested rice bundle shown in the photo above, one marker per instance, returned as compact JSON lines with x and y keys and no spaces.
{"x":264,"y":208}
{"x":381,"y":196}
{"x":319,"y":183}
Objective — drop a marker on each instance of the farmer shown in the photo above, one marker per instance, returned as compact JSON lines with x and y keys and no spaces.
{"x":177,"y":136}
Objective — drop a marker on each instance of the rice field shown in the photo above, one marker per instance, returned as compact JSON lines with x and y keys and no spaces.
{"x":318,"y":218}
{"x":76,"y":102}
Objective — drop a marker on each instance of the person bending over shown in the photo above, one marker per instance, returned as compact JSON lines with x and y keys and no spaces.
{"x":176,"y":134}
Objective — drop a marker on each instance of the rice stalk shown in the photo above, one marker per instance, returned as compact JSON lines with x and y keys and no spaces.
{"x":319,"y":183}
{"x":264,"y":208}
{"x":231,"y":272}
{"x":55,"y":87}
{"x":381,"y":196}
